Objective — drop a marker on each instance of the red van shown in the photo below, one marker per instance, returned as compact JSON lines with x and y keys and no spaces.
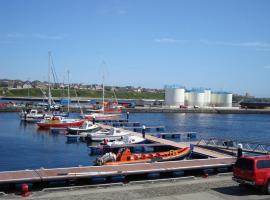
{"x":253,"y":170}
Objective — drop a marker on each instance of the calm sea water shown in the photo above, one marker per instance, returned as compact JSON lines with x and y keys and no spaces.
{"x":23,"y":146}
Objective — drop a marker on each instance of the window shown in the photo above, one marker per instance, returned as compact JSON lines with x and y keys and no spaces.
{"x":245,"y":164}
{"x":261,"y":164}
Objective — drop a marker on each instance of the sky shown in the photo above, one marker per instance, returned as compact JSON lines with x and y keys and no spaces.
{"x":219,"y":44}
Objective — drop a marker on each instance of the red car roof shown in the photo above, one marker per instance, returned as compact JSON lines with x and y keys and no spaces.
{"x":256,"y":157}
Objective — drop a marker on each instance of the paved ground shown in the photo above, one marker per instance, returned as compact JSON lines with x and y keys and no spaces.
{"x":212,"y":188}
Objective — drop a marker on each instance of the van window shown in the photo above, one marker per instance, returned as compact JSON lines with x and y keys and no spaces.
{"x":263,"y":164}
{"x":245,"y":164}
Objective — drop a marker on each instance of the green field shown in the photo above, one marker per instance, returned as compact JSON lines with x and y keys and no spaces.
{"x":82,"y":93}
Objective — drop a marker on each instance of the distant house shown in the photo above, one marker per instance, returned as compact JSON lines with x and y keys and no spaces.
{"x":18,"y":85}
{"x":62,"y":86}
{"x":96,"y":87}
{"x":4,"y":83}
{"x":41,"y":85}
{"x":27,"y":85}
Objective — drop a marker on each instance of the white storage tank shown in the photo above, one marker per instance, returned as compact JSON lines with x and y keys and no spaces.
{"x":174,"y":96}
{"x":187,"y":94}
{"x":214,"y":99}
{"x":207,"y":97}
{"x":196,"y":98}
{"x":226,"y":99}
{"x":221,"y":99}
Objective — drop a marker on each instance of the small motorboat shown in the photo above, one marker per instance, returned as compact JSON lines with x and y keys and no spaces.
{"x":87,"y":126}
{"x":124,"y":156}
{"x":33,"y":115}
{"x":126,"y":139}
{"x":109,"y":134}
{"x":62,"y":122}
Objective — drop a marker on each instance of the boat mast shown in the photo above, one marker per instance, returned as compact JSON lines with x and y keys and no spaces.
{"x":68,"y":90}
{"x":103,"y":92}
{"x":49,"y":81}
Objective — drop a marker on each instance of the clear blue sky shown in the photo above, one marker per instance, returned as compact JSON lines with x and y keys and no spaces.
{"x":221,"y":44}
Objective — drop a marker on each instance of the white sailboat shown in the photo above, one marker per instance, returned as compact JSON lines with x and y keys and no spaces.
{"x":101,"y":114}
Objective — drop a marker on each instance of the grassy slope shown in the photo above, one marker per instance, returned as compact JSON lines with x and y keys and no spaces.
{"x":84,"y":93}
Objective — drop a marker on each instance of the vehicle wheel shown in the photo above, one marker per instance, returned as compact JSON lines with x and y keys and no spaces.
{"x":266,"y":188}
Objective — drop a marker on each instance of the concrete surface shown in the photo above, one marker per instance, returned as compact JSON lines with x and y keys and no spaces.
{"x":211,"y":188}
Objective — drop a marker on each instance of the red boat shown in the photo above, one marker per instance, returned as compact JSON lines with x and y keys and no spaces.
{"x":58,"y":121}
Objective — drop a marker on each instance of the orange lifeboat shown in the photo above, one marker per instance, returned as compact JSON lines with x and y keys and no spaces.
{"x":124,"y":156}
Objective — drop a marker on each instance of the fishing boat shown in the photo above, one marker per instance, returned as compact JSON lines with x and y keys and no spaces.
{"x":87,"y":126}
{"x":58,"y":121}
{"x":108,"y":134}
{"x":126,"y":139}
{"x":124,"y":156}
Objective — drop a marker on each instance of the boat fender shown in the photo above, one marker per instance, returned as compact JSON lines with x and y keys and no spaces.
{"x":108,"y":157}
{"x":105,"y":141}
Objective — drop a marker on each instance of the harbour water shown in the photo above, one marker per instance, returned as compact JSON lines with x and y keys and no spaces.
{"x":23,"y":146}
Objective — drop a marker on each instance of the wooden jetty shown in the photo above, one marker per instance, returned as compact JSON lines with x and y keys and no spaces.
{"x":190,"y":135}
{"x":147,"y":128}
{"x":60,"y":174}
{"x":123,"y":124}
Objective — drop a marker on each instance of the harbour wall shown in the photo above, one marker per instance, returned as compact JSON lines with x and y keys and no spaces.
{"x":166,"y":110}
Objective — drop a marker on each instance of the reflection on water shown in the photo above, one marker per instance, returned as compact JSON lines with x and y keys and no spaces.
{"x":24,"y":146}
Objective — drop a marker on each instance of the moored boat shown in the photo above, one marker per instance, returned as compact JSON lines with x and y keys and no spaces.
{"x":108,"y":134}
{"x":124,"y":156}
{"x":33,"y":115}
{"x":126,"y":139}
{"x":58,"y":121}
{"x":87,"y":126}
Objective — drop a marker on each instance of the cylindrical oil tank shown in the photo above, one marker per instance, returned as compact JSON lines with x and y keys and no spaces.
{"x":207,"y":97}
{"x":225,"y":99}
{"x":214,"y":99}
{"x":174,"y":96}
{"x":196,"y":98}
{"x":199,"y":99}
{"x":187,"y":98}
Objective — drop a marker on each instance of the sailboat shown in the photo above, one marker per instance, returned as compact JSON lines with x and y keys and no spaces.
{"x":63,"y":100}
{"x":103,"y":113}
{"x":52,"y":105}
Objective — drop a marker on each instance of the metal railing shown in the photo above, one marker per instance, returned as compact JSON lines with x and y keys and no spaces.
{"x":249,"y":146}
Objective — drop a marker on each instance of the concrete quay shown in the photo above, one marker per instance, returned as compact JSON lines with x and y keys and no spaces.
{"x":219,"y":187}
{"x":168,"y":110}
{"x":198,"y":110}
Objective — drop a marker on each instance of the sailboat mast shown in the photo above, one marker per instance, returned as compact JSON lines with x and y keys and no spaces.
{"x":49,"y":80}
{"x":103,"y":92}
{"x":68,"y":90}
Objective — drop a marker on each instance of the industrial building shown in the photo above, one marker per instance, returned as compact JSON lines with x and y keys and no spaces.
{"x":179,"y":95}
